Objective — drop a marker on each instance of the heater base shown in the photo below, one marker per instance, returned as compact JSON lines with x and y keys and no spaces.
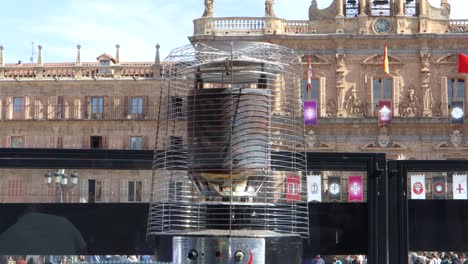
{"x":236,"y":248}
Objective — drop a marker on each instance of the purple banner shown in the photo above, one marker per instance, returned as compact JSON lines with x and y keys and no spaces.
{"x":385,"y":112}
{"x":310,"y":113}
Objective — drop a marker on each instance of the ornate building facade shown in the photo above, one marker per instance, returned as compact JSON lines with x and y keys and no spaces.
{"x":345,"y":42}
{"x":112,"y":104}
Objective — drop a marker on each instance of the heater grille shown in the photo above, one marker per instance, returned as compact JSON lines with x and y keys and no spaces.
{"x":230,"y":150}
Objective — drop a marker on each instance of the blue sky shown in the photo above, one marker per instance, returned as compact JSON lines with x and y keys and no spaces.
{"x":97,"y":25}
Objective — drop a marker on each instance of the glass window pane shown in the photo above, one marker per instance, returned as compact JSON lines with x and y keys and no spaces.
{"x":131,"y":191}
{"x":17,"y":142}
{"x":450,"y":83}
{"x":137,"y":105}
{"x":388,"y":89}
{"x":315,"y":89}
{"x":461,"y":89}
{"x":136,"y":143}
{"x":376,"y":88}
{"x":18,"y":104}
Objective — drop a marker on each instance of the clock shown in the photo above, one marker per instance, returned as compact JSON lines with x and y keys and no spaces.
{"x":457,"y":112}
{"x":381,"y":25}
{"x":334,"y":188}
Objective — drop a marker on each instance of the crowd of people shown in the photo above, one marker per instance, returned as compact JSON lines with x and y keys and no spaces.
{"x":349,"y":259}
{"x":438,"y":258}
{"x":77,"y":259}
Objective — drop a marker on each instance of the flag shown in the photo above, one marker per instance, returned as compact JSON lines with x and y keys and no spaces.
{"x":439,"y":187}
{"x":355,"y":191}
{"x":314,"y":188}
{"x":385,"y":60}
{"x":385,"y":112}
{"x":293,"y":188}
{"x":334,"y":188}
{"x":310,"y":113}
{"x":459,"y":187}
{"x":418,"y":187}
{"x":462,"y":63}
{"x":309,"y":76}
{"x":457,"y":112}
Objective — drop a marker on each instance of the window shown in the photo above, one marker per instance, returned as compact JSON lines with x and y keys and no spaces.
{"x":17,"y":142}
{"x":455,"y":89}
{"x":94,"y":191}
{"x":135,"y":190}
{"x":136,"y":105}
{"x":104,"y":67}
{"x":18,"y":104}
{"x":177,"y":110}
{"x":96,"y":142}
{"x":312,"y":94}
{"x":97,"y":106}
{"x":381,"y":90}
{"x":136,"y":143}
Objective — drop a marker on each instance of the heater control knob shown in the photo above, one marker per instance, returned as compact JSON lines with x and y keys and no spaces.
{"x":192,"y":255}
{"x":239,"y":256}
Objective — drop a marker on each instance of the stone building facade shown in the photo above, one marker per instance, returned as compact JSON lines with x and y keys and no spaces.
{"x":346,"y":42}
{"x":113,"y":104}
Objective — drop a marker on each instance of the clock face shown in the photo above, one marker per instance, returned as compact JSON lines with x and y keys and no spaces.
{"x":457,"y":112}
{"x":334,"y":188}
{"x":381,"y":25}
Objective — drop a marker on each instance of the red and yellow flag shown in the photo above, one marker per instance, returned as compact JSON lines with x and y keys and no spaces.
{"x":385,"y":60}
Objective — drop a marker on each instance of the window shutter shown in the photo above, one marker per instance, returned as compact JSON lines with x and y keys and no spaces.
{"x":126,"y":106}
{"x":86,"y":142}
{"x":51,"y":108}
{"x":87,"y":108}
{"x":145,"y":106}
{"x":37,"y":109}
{"x":27,"y":107}
{"x":66,"y":109}
{"x":444,"y":96}
{"x":370,"y":96}
{"x":59,"y":142}
{"x":10,"y":107}
{"x":145,"y":142}
{"x":1,"y":109}
{"x":83,"y":190}
{"x":123,"y":190}
{"x":26,"y":141}
{"x":8,"y":141}
{"x":126,"y":142}
{"x":107,"y":106}
{"x":105,"y":142}
{"x":396,"y":96}
{"x":51,"y":142}
{"x":146,"y":190}
{"x":106,"y":190}
{"x":77,"y":109}
{"x":59,"y":109}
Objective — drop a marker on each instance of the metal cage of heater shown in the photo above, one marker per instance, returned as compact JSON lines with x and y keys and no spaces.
{"x":230,"y":149}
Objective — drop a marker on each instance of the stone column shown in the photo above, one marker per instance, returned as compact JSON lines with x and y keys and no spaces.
{"x":39,"y":69}
{"x":422,"y":8}
{"x":117,"y":69}
{"x":2,"y":63}
{"x":362,"y":7}
{"x":340,"y":71}
{"x":157,"y":63}
{"x":401,"y":7}
{"x":117,"y":54}
{"x":425,"y":83}
{"x":339,"y":8}
{"x":78,"y":62}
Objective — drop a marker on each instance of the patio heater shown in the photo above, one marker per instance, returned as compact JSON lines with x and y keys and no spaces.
{"x":229,"y":165}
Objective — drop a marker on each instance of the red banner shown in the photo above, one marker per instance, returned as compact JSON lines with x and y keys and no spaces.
{"x":385,"y":112}
{"x":293,"y":188}
{"x":462,"y":63}
{"x":355,"y":189}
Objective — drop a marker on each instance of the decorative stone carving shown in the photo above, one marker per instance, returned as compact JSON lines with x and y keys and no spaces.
{"x":331,"y":108}
{"x":353,"y":104}
{"x":383,"y":139}
{"x":269,"y":10}
{"x":437,"y":108}
{"x":456,"y":138}
{"x":313,"y":143}
{"x":208,"y":8}
{"x":447,"y":59}
{"x":425,"y":79}
{"x":340,"y":70}
{"x":316,"y":59}
{"x":409,"y":106}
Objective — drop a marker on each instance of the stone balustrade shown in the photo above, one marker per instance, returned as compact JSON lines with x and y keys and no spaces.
{"x":72,"y":71}
{"x":273,"y":25}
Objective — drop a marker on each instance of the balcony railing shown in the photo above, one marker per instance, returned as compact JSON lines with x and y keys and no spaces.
{"x":274,"y":25}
